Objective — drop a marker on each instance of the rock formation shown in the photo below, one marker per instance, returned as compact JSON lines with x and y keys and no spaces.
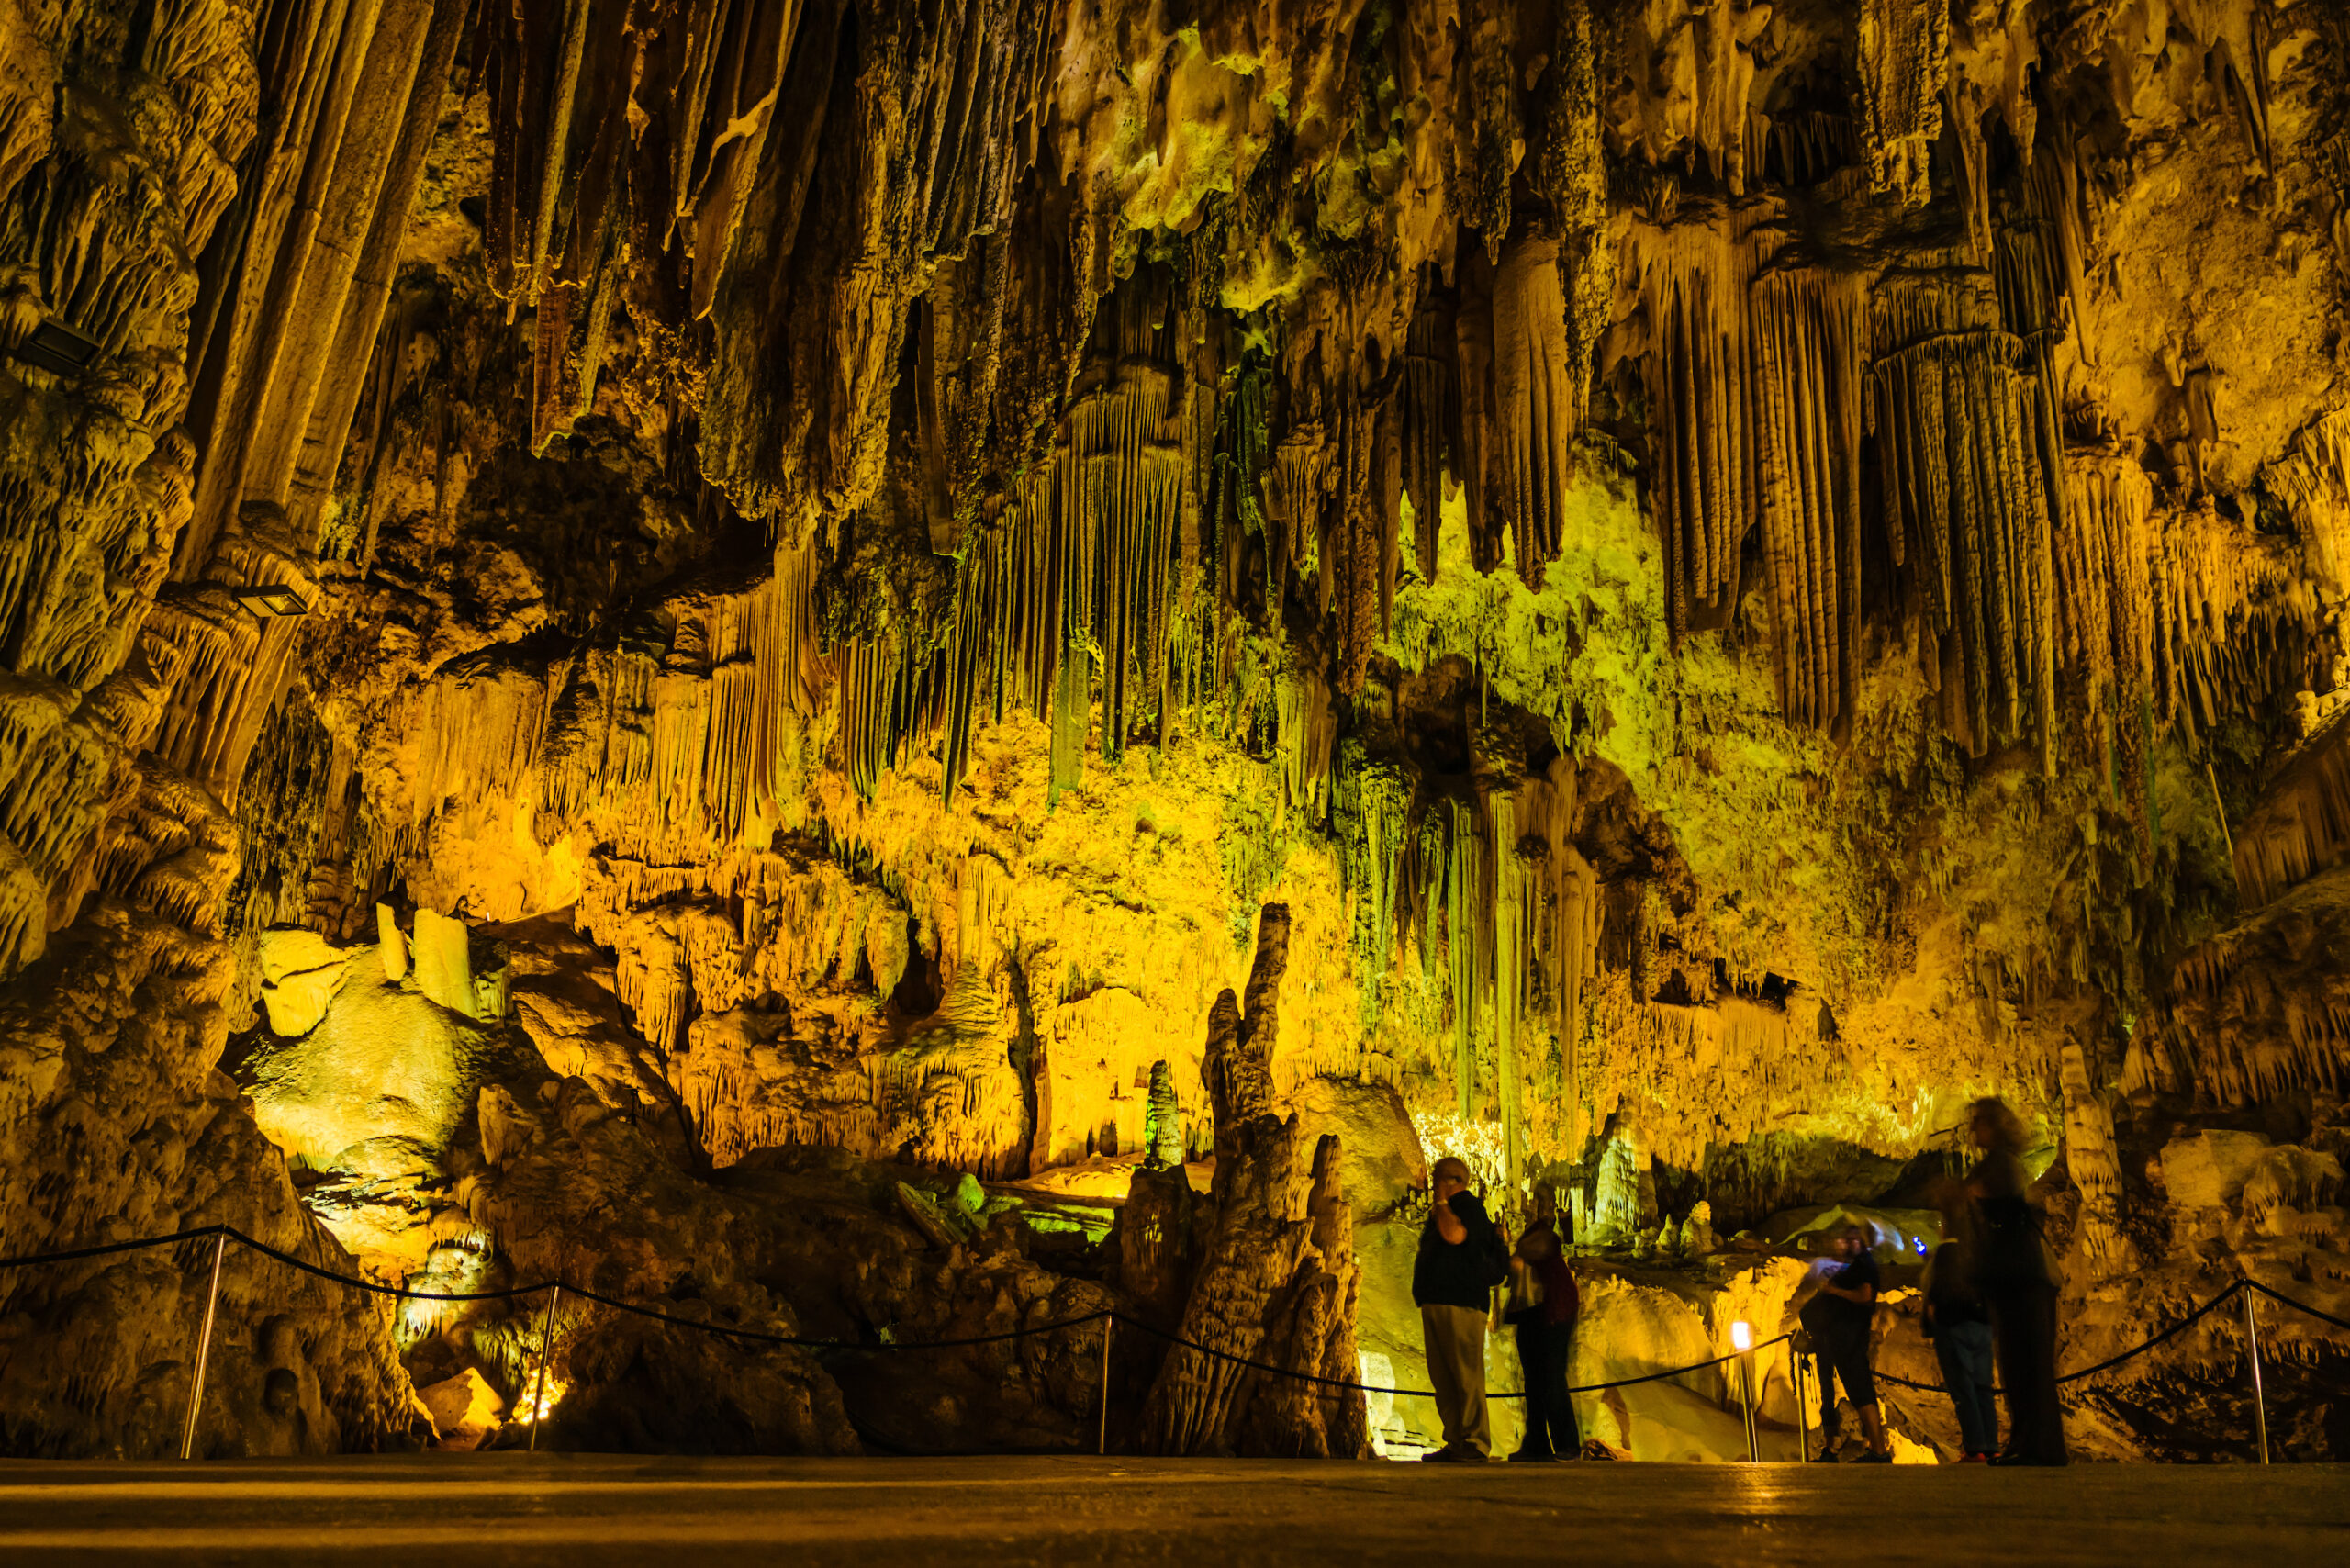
{"x":634,"y":638}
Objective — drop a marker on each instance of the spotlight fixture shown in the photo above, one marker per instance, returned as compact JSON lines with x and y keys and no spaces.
{"x":1741,"y":1336}
{"x":59,"y":347}
{"x":268,"y":600}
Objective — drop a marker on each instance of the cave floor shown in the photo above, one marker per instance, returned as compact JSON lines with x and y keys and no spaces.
{"x":581,"y":1511}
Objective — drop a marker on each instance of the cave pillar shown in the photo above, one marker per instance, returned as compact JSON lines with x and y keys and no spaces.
{"x":2095,"y":1166}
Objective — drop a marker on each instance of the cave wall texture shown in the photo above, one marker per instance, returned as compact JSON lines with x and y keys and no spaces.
{"x":1738,"y":574}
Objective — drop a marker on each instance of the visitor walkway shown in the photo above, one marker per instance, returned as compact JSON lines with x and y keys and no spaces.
{"x":582,"y":1511}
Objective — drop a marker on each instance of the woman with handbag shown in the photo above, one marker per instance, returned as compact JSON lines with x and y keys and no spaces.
{"x":2016,"y":1272}
{"x":1542,"y":1308}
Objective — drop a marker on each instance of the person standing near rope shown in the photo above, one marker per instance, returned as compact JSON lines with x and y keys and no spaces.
{"x":1839,"y":1319}
{"x":1544,"y":1303}
{"x":1960,"y":1327}
{"x":1462,"y":1257}
{"x":2015,"y":1268}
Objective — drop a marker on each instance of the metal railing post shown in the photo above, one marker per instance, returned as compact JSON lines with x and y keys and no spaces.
{"x":1746,"y":1399}
{"x":546,"y":1354}
{"x":2252,"y":1358}
{"x":203,"y":1351}
{"x":1107,"y":1324}
{"x":1803,"y":1408}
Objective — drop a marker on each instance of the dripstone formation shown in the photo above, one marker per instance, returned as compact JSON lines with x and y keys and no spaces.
{"x":696,"y":646}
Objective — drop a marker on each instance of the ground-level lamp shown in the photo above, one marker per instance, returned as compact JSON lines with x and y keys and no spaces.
{"x":59,"y":347}
{"x":269,"y":600}
{"x":1741,"y":1336}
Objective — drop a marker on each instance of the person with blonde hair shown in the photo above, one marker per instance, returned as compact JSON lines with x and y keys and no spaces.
{"x":2015,"y":1272}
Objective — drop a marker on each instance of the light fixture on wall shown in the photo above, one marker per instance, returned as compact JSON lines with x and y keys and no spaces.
{"x":59,"y":347}
{"x":269,"y":599}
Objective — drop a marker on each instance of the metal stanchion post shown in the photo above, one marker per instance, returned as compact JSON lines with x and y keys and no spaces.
{"x":1742,"y":1338}
{"x":1803,"y":1410}
{"x":203,"y":1351}
{"x":1107,"y":1324}
{"x":2251,"y":1357}
{"x":546,"y":1354}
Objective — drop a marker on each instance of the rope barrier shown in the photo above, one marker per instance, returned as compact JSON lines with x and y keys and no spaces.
{"x":198,"y":1234}
{"x":1112,"y":1315}
{"x":2283,"y":1299}
{"x":765,"y":1336}
{"x":2241,"y":1284}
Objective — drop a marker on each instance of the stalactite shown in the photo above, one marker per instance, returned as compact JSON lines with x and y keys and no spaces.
{"x":2313,"y":481}
{"x":1807,"y":324}
{"x":1541,"y":378}
{"x":1693,"y":279}
{"x":1371,"y":809}
{"x":1965,"y":500}
{"x":1426,"y":397}
{"x":1903,"y":58}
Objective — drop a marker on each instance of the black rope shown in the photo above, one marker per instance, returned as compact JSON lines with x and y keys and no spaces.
{"x":2176,"y":1327}
{"x":400,"y":1291}
{"x":764,"y":1336}
{"x":198,"y":1234}
{"x":1279,"y":1372}
{"x":2137,"y":1349}
{"x":1424,"y":1393}
{"x":404,"y":1294}
{"x":2297,"y":1305}
{"x":1676,"y":1371}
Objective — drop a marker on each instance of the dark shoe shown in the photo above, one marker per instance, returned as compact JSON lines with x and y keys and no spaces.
{"x":1473,"y":1456}
{"x":1825,"y":1456}
{"x":1974,"y":1459}
{"x":1873,"y":1457}
{"x":1522,"y":1457}
{"x":1445,"y":1455}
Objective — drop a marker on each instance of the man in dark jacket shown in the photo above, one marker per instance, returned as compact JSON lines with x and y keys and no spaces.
{"x":1462,"y":1257}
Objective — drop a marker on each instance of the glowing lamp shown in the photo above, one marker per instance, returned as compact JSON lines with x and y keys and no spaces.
{"x":59,"y":347}
{"x":1741,"y":1336}
{"x":268,"y":600}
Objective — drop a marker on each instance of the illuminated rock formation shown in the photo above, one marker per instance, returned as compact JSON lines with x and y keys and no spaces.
{"x":634,"y":639}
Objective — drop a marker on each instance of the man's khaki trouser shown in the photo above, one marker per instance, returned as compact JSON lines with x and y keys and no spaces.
{"x":1455,"y":1337}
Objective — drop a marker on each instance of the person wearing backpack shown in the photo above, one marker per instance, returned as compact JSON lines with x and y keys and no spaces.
{"x":1462,"y":1257}
{"x":1544,"y":1303}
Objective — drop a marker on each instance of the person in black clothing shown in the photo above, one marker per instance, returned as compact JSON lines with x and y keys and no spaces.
{"x":1839,"y":1319}
{"x":1543,"y":1310}
{"x":1958,"y":1324}
{"x":2016,"y":1272}
{"x":1462,"y":1257}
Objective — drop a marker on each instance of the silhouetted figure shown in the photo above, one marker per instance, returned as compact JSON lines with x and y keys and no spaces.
{"x":1839,"y":1319}
{"x":1544,"y":1303}
{"x":2015,"y":1270}
{"x":1461,"y":1259}
{"x":1960,"y":1326}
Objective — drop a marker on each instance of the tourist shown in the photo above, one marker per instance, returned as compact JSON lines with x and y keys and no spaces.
{"x":1960,"y":1326}
{"x":2015,"y":1270}
{"x":1542,"y":1308}
{"x":1839,"y":1319}
{"x":1462,"y":1257}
